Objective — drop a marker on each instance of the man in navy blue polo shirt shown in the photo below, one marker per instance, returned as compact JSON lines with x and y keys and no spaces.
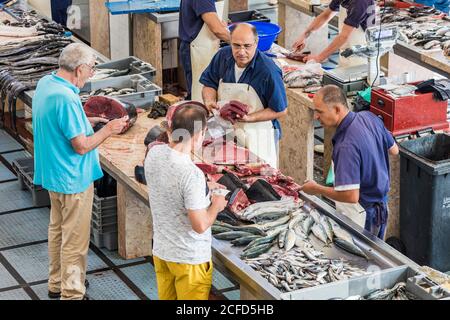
{"x":354,"y":17}
{"x":200,"y":28}
{"x":241,"y":72}
{"x":361,"y":148}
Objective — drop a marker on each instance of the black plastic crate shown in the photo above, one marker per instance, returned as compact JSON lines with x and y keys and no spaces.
{"x":425,"y":200}
{"x":104,"y":203}
{"x":104,"y":227}
{"x":104,"y":219}
{"x":108,"y":240}
{"x":24,"y":168}
{"x":246,"y":16}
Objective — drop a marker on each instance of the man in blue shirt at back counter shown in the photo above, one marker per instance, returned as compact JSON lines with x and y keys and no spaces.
{"x":241,"y":72}
{"x":200,"y":30}
{"x":361,"y":148}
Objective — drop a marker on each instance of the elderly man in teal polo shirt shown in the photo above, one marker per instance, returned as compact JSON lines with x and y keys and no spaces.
{"x":67,"y":163}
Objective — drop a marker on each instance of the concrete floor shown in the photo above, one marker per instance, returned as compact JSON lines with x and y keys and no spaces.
{"x":23,"y":250}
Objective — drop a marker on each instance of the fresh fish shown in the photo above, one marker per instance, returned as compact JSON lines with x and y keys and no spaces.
{"x":442,"y":31}
{"x":256,"y":251}
{"x":315,"y":215}
{"x":307,"y":225}
{"x":319,"y":231}
{"x":326,"y":224}
{"x":253,"y":229}
{"x":231,"y":235}
{"x":269,"y":225}
{"x":350,"y":247}
{"x":243,"y":241}
{"x":263,"y":240}
{"x":290,"y":239}
{"x":295,"y":220}
{"x":282,"y":238}
{"x":215,"y":229}
{"x":433,"y":44}
{"x":340,"y":233}
{"x":301,"y":243}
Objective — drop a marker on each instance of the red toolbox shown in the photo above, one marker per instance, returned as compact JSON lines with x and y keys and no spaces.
{"x":409,"y":114}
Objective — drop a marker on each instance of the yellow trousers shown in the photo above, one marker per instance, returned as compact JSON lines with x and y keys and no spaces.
{"x":68,"y":242}
{"x":178,"y":281}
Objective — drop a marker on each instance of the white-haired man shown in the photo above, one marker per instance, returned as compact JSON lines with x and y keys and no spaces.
{"x":66,"y":164}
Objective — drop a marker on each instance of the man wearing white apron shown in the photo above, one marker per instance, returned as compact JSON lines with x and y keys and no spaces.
{"x":201,"y":27}
{"x":241,"y":72}
{"x":354,"y":17}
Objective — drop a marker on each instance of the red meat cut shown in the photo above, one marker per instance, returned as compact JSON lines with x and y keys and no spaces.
{"x":110,"y":108}
{"x":234,"y":110}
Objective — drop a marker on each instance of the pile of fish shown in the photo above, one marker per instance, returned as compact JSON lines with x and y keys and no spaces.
{"x":24,"y":62}
{"x":285,"y":222}
{"x":110,"y":92}
{"x":398,"y":292}
{"x":302,"y":268}
{"x":105,"y":73}
{"x":423,"y":27}
{"x":308,"y":77}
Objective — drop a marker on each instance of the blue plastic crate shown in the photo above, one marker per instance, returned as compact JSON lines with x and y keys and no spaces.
{"x":142,"y":6}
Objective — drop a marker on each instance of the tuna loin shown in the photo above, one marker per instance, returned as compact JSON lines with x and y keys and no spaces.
{"x":234,"y":110}
{"x":110,"y":108}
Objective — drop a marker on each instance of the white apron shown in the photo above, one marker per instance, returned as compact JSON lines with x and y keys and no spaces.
{"x":354,"y":211}
{"x":203,"y":49}
{"x":358,"y":36}
{"x":258,"y":137}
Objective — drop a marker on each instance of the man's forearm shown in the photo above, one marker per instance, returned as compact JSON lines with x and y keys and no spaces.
{"x":212,"y":213}
{"x":319,"y":22}
{"x":267,"y":114}
{"x":334,"y":46}
{"x":88,"y":144}
{"x":341,"y":196}
{"x":209,"y":95}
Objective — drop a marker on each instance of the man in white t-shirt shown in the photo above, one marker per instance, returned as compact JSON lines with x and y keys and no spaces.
{"x":182,"y":211}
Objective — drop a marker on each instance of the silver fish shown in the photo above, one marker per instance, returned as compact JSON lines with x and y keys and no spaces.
{"x":319,"y":231}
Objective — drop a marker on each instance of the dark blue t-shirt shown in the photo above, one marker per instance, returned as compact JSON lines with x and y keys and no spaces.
{"x":358,"y":11}
{"x":361,"y":156}
{"x":190,"y":21}
{"x":261,"y":73}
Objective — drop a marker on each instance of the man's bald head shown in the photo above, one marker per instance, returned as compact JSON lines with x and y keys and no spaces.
{"x":244,"y":41}
{"x":332,"y":95}
{"x":244,"y":28}
{"x":330,"y":106}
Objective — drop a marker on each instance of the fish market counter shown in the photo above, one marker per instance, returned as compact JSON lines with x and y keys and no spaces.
{"x":382,"y":260}
{"x":120,"y":154}
{"x":295,"y":16}
{"x":413,"y":57}
{"x":434,"y":61}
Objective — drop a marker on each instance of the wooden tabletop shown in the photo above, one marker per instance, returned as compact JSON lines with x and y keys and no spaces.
{"x":120,"y":154}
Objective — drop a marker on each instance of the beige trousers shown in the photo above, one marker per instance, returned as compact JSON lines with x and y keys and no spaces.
{"x":68,"y":242}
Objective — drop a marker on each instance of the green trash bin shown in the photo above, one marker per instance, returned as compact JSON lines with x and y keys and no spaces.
{"x":425,"y":200}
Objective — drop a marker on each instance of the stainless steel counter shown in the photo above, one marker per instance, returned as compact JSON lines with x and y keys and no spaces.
{"x":381,"y":255}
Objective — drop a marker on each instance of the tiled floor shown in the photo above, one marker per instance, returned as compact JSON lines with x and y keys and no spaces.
{"x":24,"y":257}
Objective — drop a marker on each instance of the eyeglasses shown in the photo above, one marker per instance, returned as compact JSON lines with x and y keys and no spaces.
{"x":91,"y":68}
{"x":245,"y":46}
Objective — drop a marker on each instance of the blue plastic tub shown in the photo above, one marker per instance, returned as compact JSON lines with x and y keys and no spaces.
{"x":267,"y":33}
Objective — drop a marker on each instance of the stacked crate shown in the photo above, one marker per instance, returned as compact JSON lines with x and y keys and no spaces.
{"x":104,"y":222}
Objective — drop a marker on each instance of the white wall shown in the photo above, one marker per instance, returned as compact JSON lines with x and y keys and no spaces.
{"x":42,"y":6}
